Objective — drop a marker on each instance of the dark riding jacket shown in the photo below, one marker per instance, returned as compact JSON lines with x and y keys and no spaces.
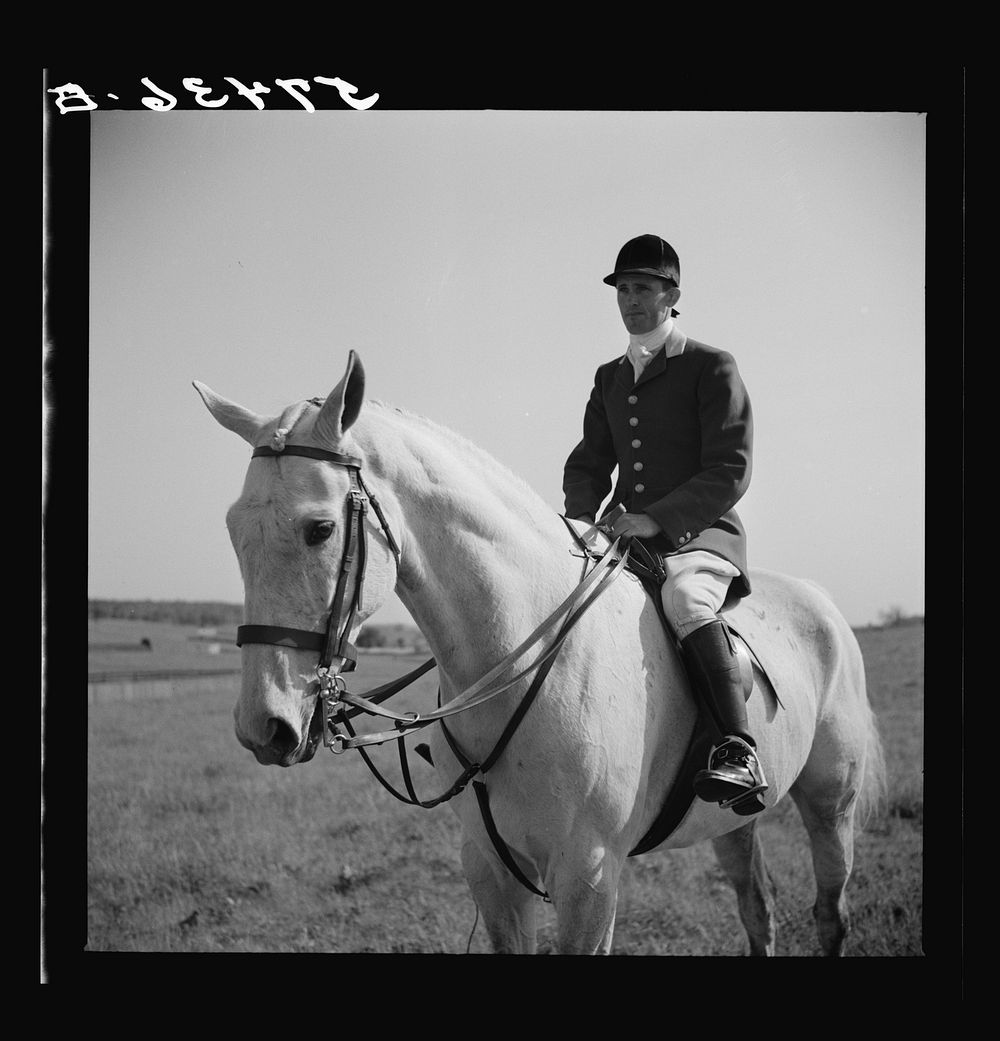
{"x":682,"y":439}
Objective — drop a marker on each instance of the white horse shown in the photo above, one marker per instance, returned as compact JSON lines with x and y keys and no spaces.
{"x":482,"y":559}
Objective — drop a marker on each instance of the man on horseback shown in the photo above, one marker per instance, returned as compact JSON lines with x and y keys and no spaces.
{"x":674,"y":416}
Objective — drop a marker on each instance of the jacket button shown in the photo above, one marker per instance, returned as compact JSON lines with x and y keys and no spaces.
{"x":632,"y":399}
{"x":640,"y":488}
{"x":637,"y":466}
{"x":681,"y":540}
{"x":633,"y":422}
{"x":637,"y":443}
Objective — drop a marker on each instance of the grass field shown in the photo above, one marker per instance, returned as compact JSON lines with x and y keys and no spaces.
{"x":193,"y":847}
{"x":178,"y":647}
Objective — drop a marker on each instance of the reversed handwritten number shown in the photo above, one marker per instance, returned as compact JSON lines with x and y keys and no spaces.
{"x":71,"y":97}
{"x":67,"y":97}
{"x":250,"y":93}
{"x":347,"y":92}
{"x":164,"y":102}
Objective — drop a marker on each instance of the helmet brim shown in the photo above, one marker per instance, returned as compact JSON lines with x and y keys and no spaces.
{"x":612,"y":279}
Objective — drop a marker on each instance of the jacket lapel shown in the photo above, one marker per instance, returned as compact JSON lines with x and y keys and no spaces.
{"x":625,"y":376}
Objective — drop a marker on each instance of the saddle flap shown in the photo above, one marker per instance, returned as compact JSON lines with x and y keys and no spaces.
{"x":748,"y":659}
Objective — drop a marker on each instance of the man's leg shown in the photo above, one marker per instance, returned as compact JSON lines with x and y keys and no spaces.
{"x":692,"y":596}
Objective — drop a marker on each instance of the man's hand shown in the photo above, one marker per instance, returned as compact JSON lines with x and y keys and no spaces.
{"x":635,"y":525}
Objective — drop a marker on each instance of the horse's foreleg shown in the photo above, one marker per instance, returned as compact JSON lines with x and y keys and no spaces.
{"x":586,"y":919}
{"x":508,"y":909}
{"x":829,"y":820}
{"x":741,"y":857}
{"x":585,"y":895}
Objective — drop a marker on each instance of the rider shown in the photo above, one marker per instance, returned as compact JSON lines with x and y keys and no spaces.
{"x":673,"y":415}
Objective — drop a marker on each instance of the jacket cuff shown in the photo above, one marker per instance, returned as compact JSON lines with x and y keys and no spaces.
{"x":674,"y":529}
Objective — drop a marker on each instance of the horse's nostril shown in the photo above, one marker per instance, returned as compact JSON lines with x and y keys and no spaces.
{"x":283,"y":738}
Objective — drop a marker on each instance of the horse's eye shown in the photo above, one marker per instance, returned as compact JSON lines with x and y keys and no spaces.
{"x":319,"y":531}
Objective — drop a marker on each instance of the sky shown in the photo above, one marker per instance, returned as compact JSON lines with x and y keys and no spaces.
{"x":461,"y":254}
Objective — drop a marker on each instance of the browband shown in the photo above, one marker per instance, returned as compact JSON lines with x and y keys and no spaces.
{"x":309,"y":453}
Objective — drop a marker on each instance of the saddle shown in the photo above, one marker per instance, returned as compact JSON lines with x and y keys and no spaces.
{"x":647,"y":567}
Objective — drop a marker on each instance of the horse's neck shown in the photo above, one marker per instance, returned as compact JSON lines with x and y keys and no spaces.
{"x":484,"y":559}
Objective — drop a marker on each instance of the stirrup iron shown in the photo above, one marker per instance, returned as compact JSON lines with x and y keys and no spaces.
{"x":748,"y":803}
{"x":745,"y":800}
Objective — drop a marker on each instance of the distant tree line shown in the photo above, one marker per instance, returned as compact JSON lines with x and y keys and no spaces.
{"x":214,"y":612}
{"x":394,"y":636}
{"x":180,"y":612}
{"x":895,"y":616}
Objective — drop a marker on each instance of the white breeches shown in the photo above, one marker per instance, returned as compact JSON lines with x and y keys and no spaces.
{"x":695,"y":589}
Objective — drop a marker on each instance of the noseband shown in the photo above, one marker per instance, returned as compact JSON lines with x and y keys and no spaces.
{"x":331,"y":643}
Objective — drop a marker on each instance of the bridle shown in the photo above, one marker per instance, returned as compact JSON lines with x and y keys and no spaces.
{"x":337,"y":655}
{"x":332,"y":642}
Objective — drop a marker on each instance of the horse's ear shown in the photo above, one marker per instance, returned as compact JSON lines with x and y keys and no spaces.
{"x":343,"y":406}
{"x":233,"y":417}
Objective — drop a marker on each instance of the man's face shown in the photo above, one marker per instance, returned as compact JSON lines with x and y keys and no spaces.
{"x":645,"y":301}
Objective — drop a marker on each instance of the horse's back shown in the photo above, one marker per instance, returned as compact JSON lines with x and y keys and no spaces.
{"x":815,"y":663}
{"x":792,"y":624}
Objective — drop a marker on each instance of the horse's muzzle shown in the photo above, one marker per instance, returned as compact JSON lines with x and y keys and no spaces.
{"x":282,"y":746}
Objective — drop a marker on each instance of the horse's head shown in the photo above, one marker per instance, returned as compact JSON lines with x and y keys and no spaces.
{"x":289,"y":529}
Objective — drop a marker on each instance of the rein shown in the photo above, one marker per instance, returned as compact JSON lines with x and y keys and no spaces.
{"x":487,"y":687}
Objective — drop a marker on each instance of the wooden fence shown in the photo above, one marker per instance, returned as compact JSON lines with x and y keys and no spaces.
{"x":138,"y":686}
{"x":148,"y":683}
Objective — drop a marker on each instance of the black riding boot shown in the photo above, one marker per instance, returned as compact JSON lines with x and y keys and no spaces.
{"x":734,"y":777}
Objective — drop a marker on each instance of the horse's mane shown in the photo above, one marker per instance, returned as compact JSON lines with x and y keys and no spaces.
{"x":477,"y":458}
{"x":432,"y":446}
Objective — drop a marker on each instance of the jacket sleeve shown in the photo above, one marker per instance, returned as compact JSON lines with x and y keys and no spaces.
{"x":587,"y":474}
{"x":726,"y":424}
